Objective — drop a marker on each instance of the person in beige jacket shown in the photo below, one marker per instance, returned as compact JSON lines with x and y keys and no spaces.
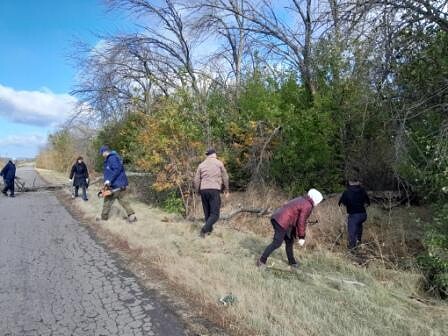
{"x":211,"y":177}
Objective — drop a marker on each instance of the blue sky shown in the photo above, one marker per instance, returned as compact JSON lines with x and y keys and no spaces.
{"x":37,"y":36}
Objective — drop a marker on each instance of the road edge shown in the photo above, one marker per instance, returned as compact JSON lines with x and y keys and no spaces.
{"x":199,"y":319}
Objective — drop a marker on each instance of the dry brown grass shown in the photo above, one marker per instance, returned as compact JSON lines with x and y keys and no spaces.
{"x":317,"y":300}
{"x":391,"y":237}
{"x":51,"y":159}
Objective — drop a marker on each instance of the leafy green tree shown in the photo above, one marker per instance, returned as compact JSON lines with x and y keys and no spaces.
{"x":422,"y":72}
{"x":122,"y":137}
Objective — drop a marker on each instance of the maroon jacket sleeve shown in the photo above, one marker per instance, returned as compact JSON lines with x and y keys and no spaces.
{"x":305,"y":212}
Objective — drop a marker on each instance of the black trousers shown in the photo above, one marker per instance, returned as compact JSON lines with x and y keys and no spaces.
{"x":280,"y":235}
{"x":84,"y":191}
{"x":355,"y":226}
{"x":9,"y":185}
{"x":211,"y":203}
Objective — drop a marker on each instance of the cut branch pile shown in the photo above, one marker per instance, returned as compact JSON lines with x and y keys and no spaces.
{"x":43,"y":188}
{"x":20,"y":186}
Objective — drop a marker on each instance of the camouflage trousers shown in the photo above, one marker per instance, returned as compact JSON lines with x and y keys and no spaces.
{"x":121,"y":197}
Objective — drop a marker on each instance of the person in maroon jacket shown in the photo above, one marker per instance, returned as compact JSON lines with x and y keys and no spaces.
{"x":289,"y":222}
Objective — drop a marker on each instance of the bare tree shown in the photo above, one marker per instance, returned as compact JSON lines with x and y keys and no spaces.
{"x":229,"y":26}
{"x":435,"y":11}
{"x":170,"y":39}
{"x":111,"y":79}
{"x":125,"y":72}
{"x":286,"y":29}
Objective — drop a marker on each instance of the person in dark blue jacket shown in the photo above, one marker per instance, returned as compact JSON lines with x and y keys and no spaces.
{"x":9,"y":174}
{"x":80,"y":177}
{"x":115,"y":179}
{"x":355,"y":198}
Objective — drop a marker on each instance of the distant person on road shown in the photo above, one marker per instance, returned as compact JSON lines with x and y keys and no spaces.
{"x":211,"y":178}
{"x":9,"y":174}
{"x":116,"y":180}
{"x":289,"y":223}
{"x":80,"y":177}
{"x":355,"y":198}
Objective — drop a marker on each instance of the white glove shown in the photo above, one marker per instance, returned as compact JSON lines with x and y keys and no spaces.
{"x":107,"y":182}
{"x":70,"y":180}
{"x":87,"y":180}
{"x":301,"y":242}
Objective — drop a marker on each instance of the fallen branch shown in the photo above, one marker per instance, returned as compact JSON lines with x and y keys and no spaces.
{"x":256,"y":211}
{"x":259,"y":212}
{"x":43,"y":188}
{"x":20,"y":186}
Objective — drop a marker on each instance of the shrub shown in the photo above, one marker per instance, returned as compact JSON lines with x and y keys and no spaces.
{"x":434,"y":261}
{"x":306,"y":156}
{"x":60,"y":153}
{"x":173,"y":203}
{"x":121,"y":136}
{"x":169,"y":144}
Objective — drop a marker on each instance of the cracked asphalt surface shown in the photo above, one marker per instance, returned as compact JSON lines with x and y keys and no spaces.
{"x":56,"y":280}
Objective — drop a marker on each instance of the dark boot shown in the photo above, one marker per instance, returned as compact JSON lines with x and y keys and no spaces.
{"x":295,"y":265}
{"x":260,"y":264}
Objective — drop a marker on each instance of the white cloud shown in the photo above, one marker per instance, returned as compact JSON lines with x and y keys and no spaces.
{"x":40,"y":108}
{"x":23,"y":140}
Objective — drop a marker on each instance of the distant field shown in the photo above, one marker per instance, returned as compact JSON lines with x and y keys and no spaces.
{"x":329,"y":295}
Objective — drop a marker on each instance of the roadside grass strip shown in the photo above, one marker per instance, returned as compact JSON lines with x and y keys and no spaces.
{"x":327,"y":295}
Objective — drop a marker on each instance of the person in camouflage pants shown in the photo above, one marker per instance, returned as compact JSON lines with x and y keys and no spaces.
{"x":121,"y":197}
{"x":115,"y":178}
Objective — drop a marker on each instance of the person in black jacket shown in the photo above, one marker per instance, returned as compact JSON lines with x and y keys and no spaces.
{"x":355,"y":198}
{"x":9,"y":174}
{"x":80,"y":176}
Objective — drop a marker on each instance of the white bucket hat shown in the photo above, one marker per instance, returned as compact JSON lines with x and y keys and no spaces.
{"x":316,"y":196}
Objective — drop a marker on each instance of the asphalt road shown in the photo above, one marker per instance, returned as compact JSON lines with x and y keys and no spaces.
{"x":56,"y":280}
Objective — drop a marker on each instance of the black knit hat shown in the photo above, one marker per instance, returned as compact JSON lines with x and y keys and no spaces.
{"x":210,"y":151}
